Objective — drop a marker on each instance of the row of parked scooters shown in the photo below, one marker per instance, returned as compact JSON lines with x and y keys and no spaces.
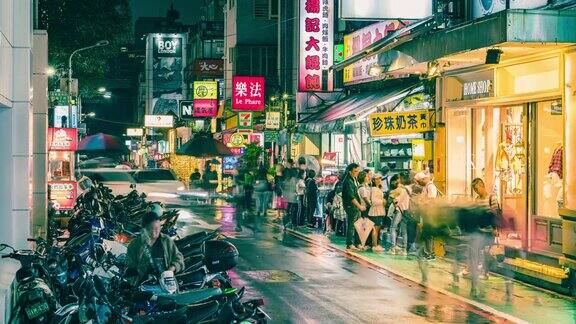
{"x":79,"y":275}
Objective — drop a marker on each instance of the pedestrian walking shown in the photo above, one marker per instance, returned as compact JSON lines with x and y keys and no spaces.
{"x":398,"y":211}
{"x":262,"y":188}
{"x":300,"y":191}
{"x":429,"y":194}
{"x":311,"y":198}
{"x":289,"y":194}
{"x":377,"y":211}
{"x":352,"y":204}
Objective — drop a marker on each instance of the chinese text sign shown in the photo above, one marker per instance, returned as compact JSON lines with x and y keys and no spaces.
{"x":397,"y":123}
{"x":248,"y":93}
{"x":316,"y":45}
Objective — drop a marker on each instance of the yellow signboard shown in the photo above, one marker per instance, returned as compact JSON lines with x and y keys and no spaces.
{"x":398,"y":123}
{"x":205,"y":90}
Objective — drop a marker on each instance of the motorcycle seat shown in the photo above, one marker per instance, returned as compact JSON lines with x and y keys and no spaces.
{"x":200,"y":312}
{"x":190,"y":297}
{"x":192,"y":250}
{"x":195,"y":239}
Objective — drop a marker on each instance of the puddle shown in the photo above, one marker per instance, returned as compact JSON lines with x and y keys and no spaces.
{"x":448,"y":314}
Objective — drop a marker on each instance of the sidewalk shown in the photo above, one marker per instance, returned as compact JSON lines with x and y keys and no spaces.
{"x":527,"y":304}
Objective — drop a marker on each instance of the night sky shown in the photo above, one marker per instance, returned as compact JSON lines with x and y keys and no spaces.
{"x":158,"y":8}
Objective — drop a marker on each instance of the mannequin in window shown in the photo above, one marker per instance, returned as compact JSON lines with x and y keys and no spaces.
{"x":555,"y":174}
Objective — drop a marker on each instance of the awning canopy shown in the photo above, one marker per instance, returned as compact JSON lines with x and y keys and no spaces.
{"x":354,"y":108}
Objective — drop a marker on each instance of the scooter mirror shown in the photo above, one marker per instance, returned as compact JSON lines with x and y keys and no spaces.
{"x":3,"y":247}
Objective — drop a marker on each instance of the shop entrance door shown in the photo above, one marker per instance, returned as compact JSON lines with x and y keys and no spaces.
{"x":511,"y":174}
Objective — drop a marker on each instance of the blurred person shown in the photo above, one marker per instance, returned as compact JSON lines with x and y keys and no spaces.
{"x":289,"y":194}
{"x":377,"y":211}
{"x":396,"y":211}
{"x":428,"y":194}
{"x":280,"y":202}
{"x":352,"y":204}
{"x":311,"y":198}
{"x":262,"y":188}
{"x":412,"y":222}
{"x":300,"y":191}
{"x":385,"y":172}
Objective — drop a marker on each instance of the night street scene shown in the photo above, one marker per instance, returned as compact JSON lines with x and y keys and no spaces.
{"x":288,"y":161}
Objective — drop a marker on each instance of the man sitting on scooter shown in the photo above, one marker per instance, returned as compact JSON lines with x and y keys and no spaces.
{"x":154,"y":253}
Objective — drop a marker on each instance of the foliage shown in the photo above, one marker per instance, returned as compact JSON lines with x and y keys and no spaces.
{"x":249,"y":161}
{"x":74,"y":24}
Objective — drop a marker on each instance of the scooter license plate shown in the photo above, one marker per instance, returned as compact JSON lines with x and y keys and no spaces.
{"x":37,"y":309}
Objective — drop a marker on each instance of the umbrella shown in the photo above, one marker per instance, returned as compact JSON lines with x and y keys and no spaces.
{"x":204,"y":145}
{"x":312,"y":163}
{"x":102,"y":143}
{"x":363,"y":226}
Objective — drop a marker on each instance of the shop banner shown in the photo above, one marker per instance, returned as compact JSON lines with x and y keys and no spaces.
{"x":245,"y":120}
{"x":159,"y":121}
{"x":399,"y":123}
{"x":248,"y":93}
{"x":256,"y":138}
{"x":388,"y":9}
{"x":166,"y":63}
{"x":273,"y":120}
{"x":229,"y":164}
{"x":237,"y":151}
{"x":61,"y":116}
{"x":316,"y":45}
{"x":204,"y":67}
{"x":357,"y":41}
{"x":62,"y":139}
{"x":271,"y":136}
{"x":205,"y":107}
{"x":205,"y":90}
{"x":481,"y":8}
{"x":62,"y":194}
{"x":136,"y":132}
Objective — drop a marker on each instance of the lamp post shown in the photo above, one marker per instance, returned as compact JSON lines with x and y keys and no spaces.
{"x":98,"y":44}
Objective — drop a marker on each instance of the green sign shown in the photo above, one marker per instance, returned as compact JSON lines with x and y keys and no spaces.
{"x":270,"y":136}
{"x":58,"y":98}
{"x":338,"y":53}
{"x":245,"y":120}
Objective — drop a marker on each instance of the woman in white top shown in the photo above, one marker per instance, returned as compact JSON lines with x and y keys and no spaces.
{"x":377,"y":211}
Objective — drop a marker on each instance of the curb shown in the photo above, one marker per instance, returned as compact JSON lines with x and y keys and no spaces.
{"x":384,"y":269}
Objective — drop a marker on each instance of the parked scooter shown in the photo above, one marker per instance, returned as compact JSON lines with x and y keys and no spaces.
{"x":34,"y":300}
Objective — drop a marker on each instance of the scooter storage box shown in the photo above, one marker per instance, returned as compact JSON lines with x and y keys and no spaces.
{"x":220,"y":256}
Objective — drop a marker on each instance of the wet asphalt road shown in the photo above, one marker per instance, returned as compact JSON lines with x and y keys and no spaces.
{"x":306,"y":283}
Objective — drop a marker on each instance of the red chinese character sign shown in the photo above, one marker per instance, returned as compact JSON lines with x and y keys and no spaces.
{"x":205,"y":107}
{"x":62,"y":139}
{"x":248,"y":93}
{"x":316,"y":45}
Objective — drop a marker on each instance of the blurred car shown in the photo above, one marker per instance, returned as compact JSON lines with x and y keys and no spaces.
{"x":119,"y":181}
{"x":163,"y":185}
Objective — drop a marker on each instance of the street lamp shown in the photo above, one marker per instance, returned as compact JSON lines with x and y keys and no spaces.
{"x":50,"y":71}
{"x":98,"y":44}
{"x":102,"y":90}
{"x":107,"y":95}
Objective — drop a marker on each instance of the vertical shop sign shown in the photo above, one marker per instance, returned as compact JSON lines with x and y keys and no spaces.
{"x":167,"y":73}
{"x":62,"y":139}
{"x":62,"y":194}
{"x":244,"y":120}
{"x":316,"y":45}
{"x":357,"y":41}
{"x":273,"y":120}
{"x":248,"y":93}
{"x":205,"y":98}
{"x":271,"y":136}
{"x":338,"y":53}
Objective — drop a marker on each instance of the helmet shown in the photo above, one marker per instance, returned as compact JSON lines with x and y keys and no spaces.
{"x":157,"y":209}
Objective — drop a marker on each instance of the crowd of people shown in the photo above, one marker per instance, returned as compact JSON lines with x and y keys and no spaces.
{"x":391,"y":202}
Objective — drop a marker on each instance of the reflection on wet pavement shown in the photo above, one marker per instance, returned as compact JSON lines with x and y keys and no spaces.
{"x":304,"y":283}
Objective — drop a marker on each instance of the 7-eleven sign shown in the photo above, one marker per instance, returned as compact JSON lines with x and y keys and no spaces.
{"x":245,"y":120}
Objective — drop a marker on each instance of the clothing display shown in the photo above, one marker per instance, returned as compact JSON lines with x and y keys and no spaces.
{"x":556,"y":162}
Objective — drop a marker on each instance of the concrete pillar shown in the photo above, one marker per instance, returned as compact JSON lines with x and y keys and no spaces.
{"x":40,"y":122}
{"x":15,"y":126}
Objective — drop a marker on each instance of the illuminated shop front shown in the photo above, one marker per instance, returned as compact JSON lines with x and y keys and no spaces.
{"x":507,"y":125}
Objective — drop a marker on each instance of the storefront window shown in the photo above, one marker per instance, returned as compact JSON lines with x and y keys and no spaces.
{"x":549,"y":153}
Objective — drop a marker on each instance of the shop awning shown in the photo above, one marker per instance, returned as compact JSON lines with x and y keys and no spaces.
{"x":354,"y":108}
{"x":516,"y":32}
